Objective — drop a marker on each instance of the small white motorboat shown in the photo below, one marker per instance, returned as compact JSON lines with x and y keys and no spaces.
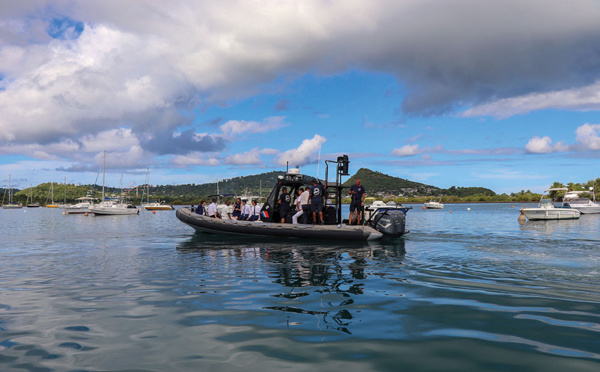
{"x":433,"y":204}
{"x":546,"y":210}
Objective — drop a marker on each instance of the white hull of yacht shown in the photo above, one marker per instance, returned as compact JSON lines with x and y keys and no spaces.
{"x":434,"y":205}
{"x":588,"y":210}
{"x":115,"y":209}
{"x":12,"y":206}
{"x":534,"y":214}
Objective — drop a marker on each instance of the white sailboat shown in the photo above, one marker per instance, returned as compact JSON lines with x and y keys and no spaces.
{"x":111,"y":206}
{"x":153,"y":206}
{"x":51,"y":195}
{"x":11,"y":204}
{"x":30,"y":203}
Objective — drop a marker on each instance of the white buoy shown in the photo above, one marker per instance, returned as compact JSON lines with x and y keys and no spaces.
{"x":468,"y":209}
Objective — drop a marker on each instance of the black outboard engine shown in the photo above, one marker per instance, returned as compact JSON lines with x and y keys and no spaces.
{"x":390,"y":222}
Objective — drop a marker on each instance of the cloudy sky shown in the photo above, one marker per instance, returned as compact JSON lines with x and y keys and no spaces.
{"x":503,"y":94}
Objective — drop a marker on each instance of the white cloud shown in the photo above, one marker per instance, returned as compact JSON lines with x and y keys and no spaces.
{"x":543,"y":145}
{"x":192,"y":159}
{"x":407,"y":150}
{"x":147,"y":66}
{"x":508,"y":174}
{"x":251,"y":157}
{"x":237,"y":127}
{"x":581,"y":98}
{"x":302,"y":155}
{"x":587,"y":135}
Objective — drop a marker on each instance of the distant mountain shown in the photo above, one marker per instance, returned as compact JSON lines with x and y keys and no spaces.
{"x":380,"y":183}
{"x":376,"y":183}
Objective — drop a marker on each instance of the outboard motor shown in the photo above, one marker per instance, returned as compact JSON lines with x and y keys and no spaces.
{"x":390,"y":222}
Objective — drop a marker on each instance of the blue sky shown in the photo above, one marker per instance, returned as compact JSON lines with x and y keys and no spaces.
{"x":499,"y":94}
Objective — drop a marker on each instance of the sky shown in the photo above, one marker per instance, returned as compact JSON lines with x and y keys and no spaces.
{"x":503,"y":94}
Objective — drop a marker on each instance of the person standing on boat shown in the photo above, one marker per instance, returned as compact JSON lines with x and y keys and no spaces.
{"x":316,"y":201}
{"x":298,"y":205}
{"x":284,"y":200}
{"x":237,"y":209}
{"x":255,"y":214}
{"x":357,"y":204}
{"x":305,"y":204}
{"x":200,"y":208}
{"x":212,"y":209}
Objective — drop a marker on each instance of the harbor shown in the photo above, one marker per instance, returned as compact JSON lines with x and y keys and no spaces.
{"x":469,"y":288}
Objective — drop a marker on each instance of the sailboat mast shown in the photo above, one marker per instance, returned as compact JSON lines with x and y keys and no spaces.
{"x":103,"y":173}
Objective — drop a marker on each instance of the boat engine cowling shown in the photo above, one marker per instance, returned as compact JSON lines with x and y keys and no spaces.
{"x":390,"y":222}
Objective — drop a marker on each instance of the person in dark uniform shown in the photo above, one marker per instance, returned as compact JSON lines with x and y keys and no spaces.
{"x":358,"y":193}
{"x":200,"y":208}
{"x":284,"y":200}
{"x":316,"y":201}
{"x":237,"y":209}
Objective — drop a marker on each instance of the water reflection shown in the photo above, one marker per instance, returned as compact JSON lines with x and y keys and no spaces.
{"x":308,"y":278}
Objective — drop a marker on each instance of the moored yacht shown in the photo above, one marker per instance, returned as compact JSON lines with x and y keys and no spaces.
{"x":433,"y":204}
{"x":82,"y":206}
{"x":546,"y":210}
{"x":574,"y":200}
{"x":11,"y":204}
{"x":112,"y":205}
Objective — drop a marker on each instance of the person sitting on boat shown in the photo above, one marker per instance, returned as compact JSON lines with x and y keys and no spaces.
{"x":245,"y":211}
{"x":316,"y":200}
{"x":357,"y":204}
{"x":305,"y":204}
{"x":200,"y":208}
{"x":299,"y":211}
{"x":255,"y":212}
{"x":237,"y":209}
{"x":284,"y":200}
{"x":226,"y":211}
{"x":212,"y":209}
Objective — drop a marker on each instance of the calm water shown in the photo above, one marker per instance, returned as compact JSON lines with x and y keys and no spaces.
{"x":464,"y":291}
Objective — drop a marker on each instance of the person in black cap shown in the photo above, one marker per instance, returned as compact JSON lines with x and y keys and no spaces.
{"x":284,"y":200}
{"x":316,"y":200}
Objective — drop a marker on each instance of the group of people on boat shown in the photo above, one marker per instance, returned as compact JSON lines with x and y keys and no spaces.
{"x":239,"y":211}
{"x":310,"y":201}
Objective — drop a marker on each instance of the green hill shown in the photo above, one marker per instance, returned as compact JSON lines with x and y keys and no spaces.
{"x":376,"y":184}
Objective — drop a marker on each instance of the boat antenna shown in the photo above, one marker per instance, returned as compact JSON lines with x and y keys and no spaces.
{"x":318,"y":163}
{"x":287,"y":166}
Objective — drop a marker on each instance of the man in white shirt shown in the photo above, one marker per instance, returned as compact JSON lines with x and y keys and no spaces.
{"x":246,"y":210}
{"x":226,"y":210}
{"x":298,"y":205}
{"x":305,"y":204}
{"x":255,"y":212}
{"x":212,"y":209}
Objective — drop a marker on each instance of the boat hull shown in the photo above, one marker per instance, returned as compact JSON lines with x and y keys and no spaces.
{"x":159,"y":208}
{"x":588,"y":210}
{"x":534,"y":214}
{"x":228,"y":227}
{"x":434,"y":206}
{"x":12,"y":206}
{"x":113,"y":211}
